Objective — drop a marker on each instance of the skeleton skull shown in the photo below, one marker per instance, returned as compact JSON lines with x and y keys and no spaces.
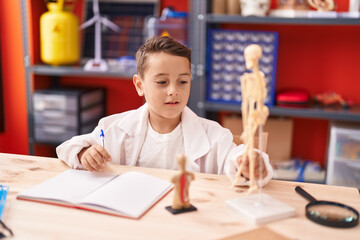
{"x":254,"y":7}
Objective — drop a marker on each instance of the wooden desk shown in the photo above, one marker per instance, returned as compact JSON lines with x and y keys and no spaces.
{"x":213,"y":220}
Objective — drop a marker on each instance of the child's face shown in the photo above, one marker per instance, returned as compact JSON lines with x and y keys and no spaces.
{"x":166,"y":85}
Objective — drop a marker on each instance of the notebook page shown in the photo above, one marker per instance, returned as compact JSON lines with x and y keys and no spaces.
{"x":69,"y":186}
{"x":130,"y":194}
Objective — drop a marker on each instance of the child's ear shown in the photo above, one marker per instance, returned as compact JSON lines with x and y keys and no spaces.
{"x":138,"y":83}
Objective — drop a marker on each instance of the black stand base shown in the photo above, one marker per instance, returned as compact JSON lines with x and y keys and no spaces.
{"x":182,"y":210}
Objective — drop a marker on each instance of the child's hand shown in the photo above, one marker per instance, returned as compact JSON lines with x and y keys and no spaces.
{"x":94,"y":158}
{"x":246,"y":168}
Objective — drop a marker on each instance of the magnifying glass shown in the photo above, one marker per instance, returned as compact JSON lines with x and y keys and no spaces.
{"x":328,"y":213}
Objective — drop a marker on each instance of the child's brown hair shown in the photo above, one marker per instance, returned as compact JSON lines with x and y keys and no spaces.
{"x":159,"y":44}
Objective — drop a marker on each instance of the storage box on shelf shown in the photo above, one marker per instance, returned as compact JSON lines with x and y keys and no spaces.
{"x":280,"y":132}
{"x":170,"y":23}
{"x":344,"y":155}
{"x":63,"y":113}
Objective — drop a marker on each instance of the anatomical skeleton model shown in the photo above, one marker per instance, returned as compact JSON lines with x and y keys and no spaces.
{"x":254,"y":112}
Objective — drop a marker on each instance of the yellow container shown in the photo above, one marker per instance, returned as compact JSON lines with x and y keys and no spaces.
{"x":59,"y":36}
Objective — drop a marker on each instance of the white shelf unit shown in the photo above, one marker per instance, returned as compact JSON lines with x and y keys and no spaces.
{"x":343,"y":166}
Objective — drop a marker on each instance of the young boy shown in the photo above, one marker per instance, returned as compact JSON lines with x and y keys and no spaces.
{"x":152,"y":135}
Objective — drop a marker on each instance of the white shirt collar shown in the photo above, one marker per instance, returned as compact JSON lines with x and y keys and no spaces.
{"x":196,"y":143}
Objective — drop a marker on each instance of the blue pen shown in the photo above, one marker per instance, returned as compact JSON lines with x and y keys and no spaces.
{"x":102,"y":136}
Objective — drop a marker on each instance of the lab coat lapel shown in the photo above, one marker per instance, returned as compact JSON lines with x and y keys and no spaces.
{"x":196,"y":142}
{"x":135,"y":125}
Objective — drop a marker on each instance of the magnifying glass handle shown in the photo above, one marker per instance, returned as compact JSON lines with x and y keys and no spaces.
{"x":304,"y":194}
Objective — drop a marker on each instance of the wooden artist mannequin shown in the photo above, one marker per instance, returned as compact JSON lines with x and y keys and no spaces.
{"x":181,"y":182}
{"x":254,"y":112}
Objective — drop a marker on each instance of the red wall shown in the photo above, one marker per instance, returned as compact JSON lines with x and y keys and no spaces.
{"x":317,"y":58}
{"x":14,"y":139}
{"x":181,"y":5}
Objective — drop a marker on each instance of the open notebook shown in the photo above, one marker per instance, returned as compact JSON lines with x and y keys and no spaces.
{"x":129,"y":194}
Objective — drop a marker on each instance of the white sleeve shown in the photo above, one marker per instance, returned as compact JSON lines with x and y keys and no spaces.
{"x":68,"y":150}
{"x":231,"y":166}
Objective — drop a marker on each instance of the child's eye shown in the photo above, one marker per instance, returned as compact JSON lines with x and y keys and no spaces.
{"x":161,"y":82}
{"x":183,"y":82}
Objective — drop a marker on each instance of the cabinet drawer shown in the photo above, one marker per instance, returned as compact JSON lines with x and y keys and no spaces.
{"x":69,"y":119}
{"x":58,"y":134}
{"x":347,"y":174}
{"x":66,"y":99}
{"x":343,"y":166}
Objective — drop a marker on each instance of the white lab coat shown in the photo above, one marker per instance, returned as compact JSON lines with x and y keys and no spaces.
{"x":208,"y":146}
